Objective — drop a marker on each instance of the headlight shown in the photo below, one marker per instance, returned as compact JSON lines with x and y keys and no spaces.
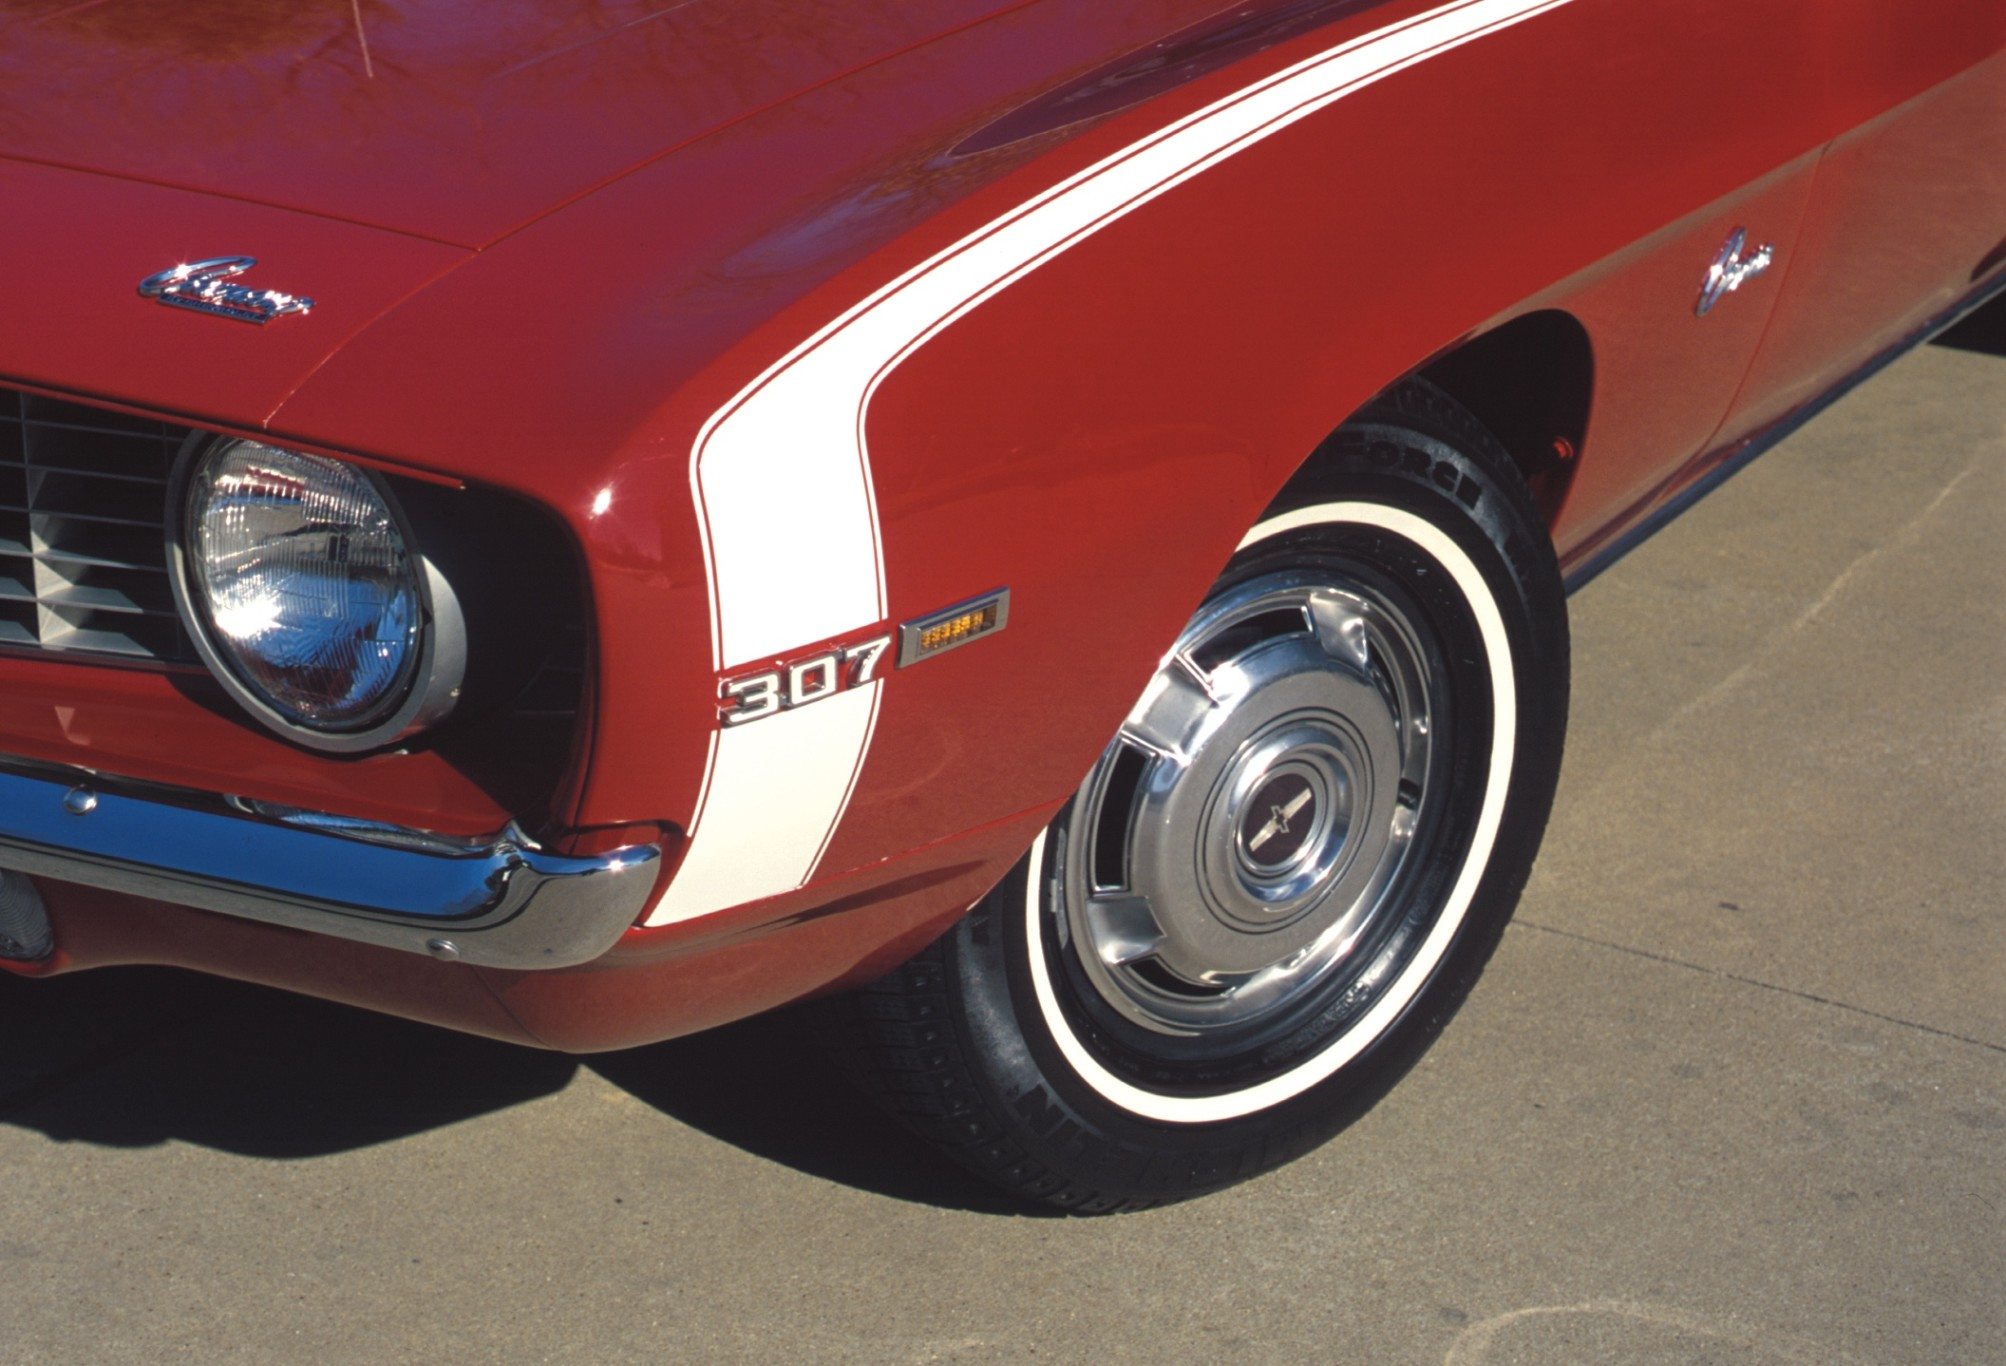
{"x":306,"y":598}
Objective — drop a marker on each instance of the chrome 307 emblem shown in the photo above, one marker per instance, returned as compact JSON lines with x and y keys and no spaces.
{"x":760,"y":695}
{"x":206,"y":287}
{"x":1731,"y":270}
{"x":838,"y":668}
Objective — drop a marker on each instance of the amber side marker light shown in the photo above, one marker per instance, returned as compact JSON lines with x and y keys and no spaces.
{"x":956,"y":625}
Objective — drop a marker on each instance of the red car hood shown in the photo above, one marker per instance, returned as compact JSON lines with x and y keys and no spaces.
{"x":455,"y":120}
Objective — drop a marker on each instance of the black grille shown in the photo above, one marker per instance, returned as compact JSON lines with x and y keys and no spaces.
{"x":83,"y":560}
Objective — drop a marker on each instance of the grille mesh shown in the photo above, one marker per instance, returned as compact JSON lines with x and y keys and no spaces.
{"x":83,"y":559}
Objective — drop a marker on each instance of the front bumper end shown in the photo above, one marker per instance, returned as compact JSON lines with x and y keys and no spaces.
{"x":498,"y":901}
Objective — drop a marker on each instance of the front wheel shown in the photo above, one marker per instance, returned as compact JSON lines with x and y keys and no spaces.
{"x":1289,"y":865}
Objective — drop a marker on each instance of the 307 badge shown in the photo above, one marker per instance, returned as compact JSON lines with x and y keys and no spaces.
{"x":753,"y":697}
{"x":760,"y":695}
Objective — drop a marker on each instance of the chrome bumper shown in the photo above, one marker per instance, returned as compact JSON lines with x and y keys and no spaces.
{"x":501,"y":901}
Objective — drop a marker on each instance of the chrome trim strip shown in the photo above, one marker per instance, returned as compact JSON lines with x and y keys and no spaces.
{"x":1657,"y":516}
{"x":498,"y":901}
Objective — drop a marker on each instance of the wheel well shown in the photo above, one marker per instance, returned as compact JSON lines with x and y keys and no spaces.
{"x":1529,"y":383}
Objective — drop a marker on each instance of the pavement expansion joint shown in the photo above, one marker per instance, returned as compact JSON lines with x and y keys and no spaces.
{"x":1812,"y":996}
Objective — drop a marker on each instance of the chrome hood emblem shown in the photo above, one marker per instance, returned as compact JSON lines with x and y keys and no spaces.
{"x":205,"y":287}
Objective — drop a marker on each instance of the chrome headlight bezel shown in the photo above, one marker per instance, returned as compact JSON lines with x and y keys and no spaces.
{"x":429,"y":684}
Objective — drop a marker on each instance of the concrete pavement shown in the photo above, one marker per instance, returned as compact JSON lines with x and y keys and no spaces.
{"x":1734,"y":1088}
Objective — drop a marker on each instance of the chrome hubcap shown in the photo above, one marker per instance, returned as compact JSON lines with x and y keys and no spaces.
{"x":1241,"y":841}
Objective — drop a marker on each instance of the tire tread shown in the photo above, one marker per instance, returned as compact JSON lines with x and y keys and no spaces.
{"x":897,"y":1043}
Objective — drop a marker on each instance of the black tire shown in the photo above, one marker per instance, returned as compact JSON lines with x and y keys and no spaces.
{"x":1005,"y":1044}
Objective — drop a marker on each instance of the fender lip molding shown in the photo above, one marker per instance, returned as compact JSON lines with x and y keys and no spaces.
{"x":497,"y":901}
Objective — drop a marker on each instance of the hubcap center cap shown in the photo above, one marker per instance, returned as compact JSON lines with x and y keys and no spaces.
{"x":1290,"y":815}
{"x":1277,"y":824}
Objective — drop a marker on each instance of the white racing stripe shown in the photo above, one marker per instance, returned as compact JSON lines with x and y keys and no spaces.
{"x":781,"y":475}
{"x":774,"y":793}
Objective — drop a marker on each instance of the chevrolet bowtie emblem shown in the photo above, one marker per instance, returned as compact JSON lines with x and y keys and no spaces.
{"x":1278,"y":821}
{"x":206,"y":287}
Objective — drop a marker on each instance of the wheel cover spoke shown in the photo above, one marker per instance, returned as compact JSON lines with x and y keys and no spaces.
{"x":1339,"y":622}
{"x":1169,"y":720}
{"x":1124,"y":929}
{"x":1277,"y":775}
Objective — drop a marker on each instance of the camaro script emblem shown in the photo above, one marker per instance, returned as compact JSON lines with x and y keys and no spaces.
{"x":205,"y":287}
{"x":1731,"y":270}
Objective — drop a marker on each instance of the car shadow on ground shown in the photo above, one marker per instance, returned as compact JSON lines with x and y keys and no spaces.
{"x":765,"y":1086}
{"x":1984,"y":331}
{"x":132,"y":1057}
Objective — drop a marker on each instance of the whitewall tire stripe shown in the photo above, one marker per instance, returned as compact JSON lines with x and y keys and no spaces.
{"x":781,"y":475}
{"x":1438,"y":546}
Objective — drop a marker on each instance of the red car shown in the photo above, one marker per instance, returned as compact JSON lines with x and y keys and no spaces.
{"x":1045,"y":523}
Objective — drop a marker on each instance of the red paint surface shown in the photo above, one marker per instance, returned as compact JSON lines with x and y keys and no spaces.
{"x":1098,"y":436}
{"x":450,"y":121}
{"x":1909,"y":212}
